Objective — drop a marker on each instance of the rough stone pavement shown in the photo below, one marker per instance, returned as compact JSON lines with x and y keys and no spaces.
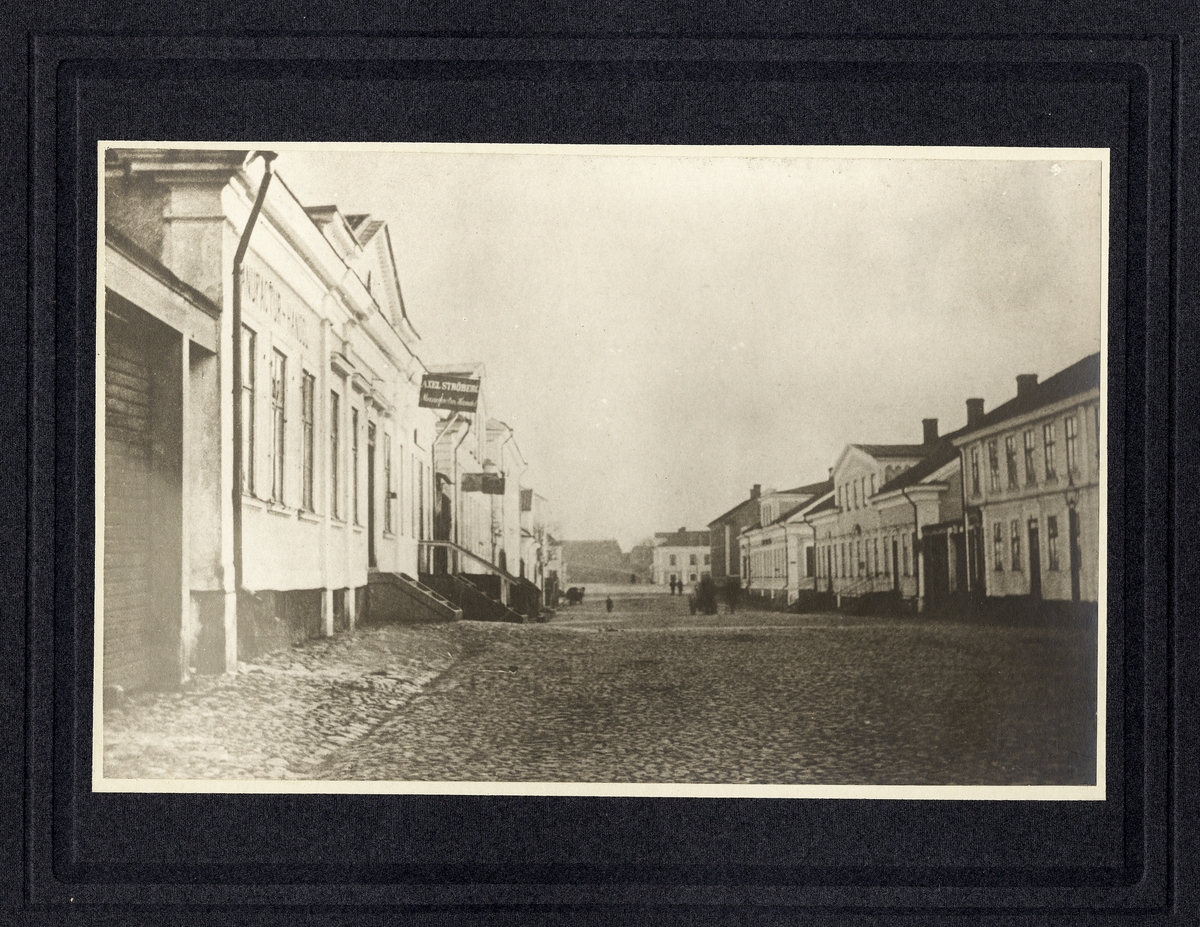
{"x":280,"y":716}
{"x":647,"y":694}
{"x":654,"y":695}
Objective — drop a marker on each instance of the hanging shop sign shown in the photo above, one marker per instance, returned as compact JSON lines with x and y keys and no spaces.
{"x":452,"y":393}
{"x":490,"y":483}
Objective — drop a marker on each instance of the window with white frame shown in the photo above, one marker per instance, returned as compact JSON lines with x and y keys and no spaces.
{"x":354,"y":464}
{"x":335,"y":451}
{"x":387,"y":482}
{"x":278,"y":423}
{"x":1030,"y":449}
{"x":308,"y":448}
{"x":249,"y":353}
{"x":1048,"y":451}
{"x":1071,"y":429}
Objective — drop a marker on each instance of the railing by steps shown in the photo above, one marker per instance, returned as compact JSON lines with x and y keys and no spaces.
{"x":868,"y":592}
{"x":516,"y":592}
{"x":476,"y":604}
{"x":399,"y":597}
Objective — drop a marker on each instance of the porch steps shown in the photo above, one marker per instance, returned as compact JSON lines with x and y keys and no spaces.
{"x":475,"y":604}
{"x":397,"y":597}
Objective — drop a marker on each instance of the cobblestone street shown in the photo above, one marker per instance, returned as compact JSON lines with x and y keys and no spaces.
{"x":646,"y":694}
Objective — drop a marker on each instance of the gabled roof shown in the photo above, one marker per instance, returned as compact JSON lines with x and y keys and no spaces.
{"x":943,"y":452}
{"x":810,"y":489}
{"x":824,"y":505}
{"x":894,"y":450}
{"x":1081,"y":376}
{"x":363,"y":226}
{"x":733,"y":511}
{"x":683,"y":538}
{"x":820,"y":490}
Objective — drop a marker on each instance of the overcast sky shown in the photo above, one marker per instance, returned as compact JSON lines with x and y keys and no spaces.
{"x":664,"y":330}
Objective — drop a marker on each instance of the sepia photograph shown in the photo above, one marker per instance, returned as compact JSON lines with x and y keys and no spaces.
{"x":601,"y":470}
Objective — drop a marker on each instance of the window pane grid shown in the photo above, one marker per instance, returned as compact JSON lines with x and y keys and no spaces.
{"x":278,"y":424}
{"x":307,"y":388}
{"x":248,"y":354}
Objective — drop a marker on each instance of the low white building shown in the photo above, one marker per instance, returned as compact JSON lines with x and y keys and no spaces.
{"x":681,"y":556}
{"x":778,"y":551}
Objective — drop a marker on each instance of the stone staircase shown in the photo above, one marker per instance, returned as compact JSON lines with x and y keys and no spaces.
{"x":397,"y":597}
{"x":474,"y":602}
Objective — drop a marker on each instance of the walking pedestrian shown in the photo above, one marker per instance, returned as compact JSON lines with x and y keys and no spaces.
{"x":608,"y":604}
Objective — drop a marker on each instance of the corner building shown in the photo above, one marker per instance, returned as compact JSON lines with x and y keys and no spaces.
{"x":1032,"y":480}
{"x":244,"y":512}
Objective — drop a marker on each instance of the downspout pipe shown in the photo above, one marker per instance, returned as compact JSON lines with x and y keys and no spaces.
{"x":916,"y":545}
{"x":433,"y":471}
{"x":964,"y":581}
{"x":458,"y":485}
{"x":238,"y":257}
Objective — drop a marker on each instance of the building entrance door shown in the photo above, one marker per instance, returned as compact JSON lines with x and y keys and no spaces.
{"x":895,"y":567}
{"x":937,"y":568}
{"x":976,"y":573}
{"x":1035,"y":561}
{"x":371,"y":558}
{"x":1073,"y":544}
{"x":143,"y":498}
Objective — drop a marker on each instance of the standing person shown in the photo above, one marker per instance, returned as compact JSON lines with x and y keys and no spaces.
{"x":608,"y":605}
{"x":732,"y":590}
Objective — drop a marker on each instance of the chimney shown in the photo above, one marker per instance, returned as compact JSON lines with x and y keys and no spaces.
{"x":930,"y":426}
{"x":831,"y":472}
{"x":974,"y":411}
{"x":756,"y":490}
{"x":1026,"y":384}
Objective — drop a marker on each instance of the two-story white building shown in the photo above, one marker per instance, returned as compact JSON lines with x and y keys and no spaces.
{"x":681,"y":556}
{"x":858,"y":552}
{"x":778,"y":551}
{"x":1032,"y":473}
{"x":266,"y":454}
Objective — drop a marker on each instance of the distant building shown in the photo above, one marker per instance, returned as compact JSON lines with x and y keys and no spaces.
{"x":553,"y":573}
{"x":491,"y":529}
{"x":684,"y":556}
{"x":867,"y":543}
{"x":535,"y":521}
{"x":594,"y":562}
{"x":1032,"y":491}
{"x":778,"y":552}
{"x":724,"y":533}
{"x":925,"y":503}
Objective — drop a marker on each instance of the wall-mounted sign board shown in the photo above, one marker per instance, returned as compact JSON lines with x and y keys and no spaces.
{"x":450,"y":392}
